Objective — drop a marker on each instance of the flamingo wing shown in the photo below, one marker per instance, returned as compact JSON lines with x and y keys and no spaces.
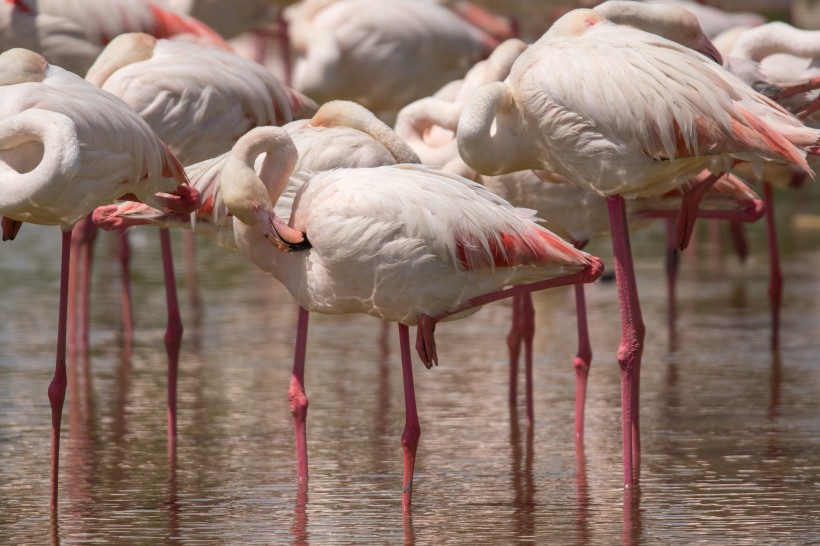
{"x":660,"y":98}
{"x":416,"y":210}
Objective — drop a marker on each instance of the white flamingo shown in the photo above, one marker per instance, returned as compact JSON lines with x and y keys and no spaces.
{"x":635,"y":130}
{"x":404,"y":243}
{"x":66,"y":147}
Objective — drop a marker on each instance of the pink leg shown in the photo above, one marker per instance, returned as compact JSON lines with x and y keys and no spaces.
{"x":82,"y":241}
{"x":527,"y":324}
{"x":514,"y":347}
{"x":173,"y":333}
{"x":412,"y":429}
{"x":87,"y":261}
{"x":582,"y":361}
{"x":791,"y":90}
{"x":57,"y":388}
{"x":632,"y":335}
{"x":672,"y":263}
{"x":523,"y":329}
{"x":739,"y":242}
{"x":124,"y":254}
{"x":296,"y":394}
{"x":425,"y":338}
{"x":689,"y":207}
{"x":776,"y":278}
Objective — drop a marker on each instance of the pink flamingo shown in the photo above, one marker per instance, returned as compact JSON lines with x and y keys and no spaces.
{"x":71,"y":34}
{"x":199,"y":100}
{"x":634,"y":131}
{"x":68,"y":147}
{"x":340,"y":134}
{"x":403,"y":243}
{"x":782,"y":62}
{"x":348,"y":49}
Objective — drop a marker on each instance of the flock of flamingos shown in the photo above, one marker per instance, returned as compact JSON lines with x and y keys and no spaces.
{"x":399,"y":158}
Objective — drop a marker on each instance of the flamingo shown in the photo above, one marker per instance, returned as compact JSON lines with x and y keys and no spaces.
{"x":429,"y":126}
{"x":66,"y":147}
{"x":340,"y":134}
{"x":782,"y":62}
{"x":348,"y":49}
{"x":199,"y":100}
{"x":404,"y":243}
{"x":638,"y":131}
{"x":72,"y":33}
{"x":62,"y":41}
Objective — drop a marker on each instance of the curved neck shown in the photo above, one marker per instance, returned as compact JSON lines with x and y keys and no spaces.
{"x":760,"y":42}
{"x":38,"y":150}
{"x":355,"y":116}
{"x":246,"y":193}
{"x":123,"y":50}
{"x":491,"y":138}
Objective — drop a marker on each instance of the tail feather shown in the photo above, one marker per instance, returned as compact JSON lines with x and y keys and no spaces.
{"x":760,"y":133}
{"x":537,"y":246}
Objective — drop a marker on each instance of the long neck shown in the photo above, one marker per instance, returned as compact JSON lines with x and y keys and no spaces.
{"x":491,"y":138}
{"x":760,"y":42}
{"x":349,"y":114}
{"x":120,"y":52}
{"x":245,"y":192}
{"x":39,"y":149}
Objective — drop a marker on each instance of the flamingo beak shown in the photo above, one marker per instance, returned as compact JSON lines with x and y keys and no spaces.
{"x":707,"y":48}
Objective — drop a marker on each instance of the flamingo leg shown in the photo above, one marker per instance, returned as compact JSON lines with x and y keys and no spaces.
{"x":124,"y":255}
{"x":412,"y":429}
{"x":672,"y":263}
{"x":522,"y":330}
{"x":89,"y":236}
{"x":173,"y":333}
{"x":775,"y":275}
{"x":425,"y":338}
{"x":57,"y":388}
{"x":790,"y":90}
{"x":582,"y":360}
{"x":739,"y":241}
{"x":689,"y":207}
{"x":82,"y":239}
{"x":296,"y":394}
{"x":527,"y":324}
{"x":514,"y":348}
{"x":809,"y":109}
{"x":632,"y":336}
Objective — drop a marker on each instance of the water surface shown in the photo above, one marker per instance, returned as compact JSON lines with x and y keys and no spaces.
{"x":731,"y":431}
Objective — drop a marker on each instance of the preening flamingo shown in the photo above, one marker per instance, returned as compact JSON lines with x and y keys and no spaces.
{"x":199,"y":100}
{"x":636,"y":130}
{"x":66,"y":147}
{"x":404,"y":243}
{"x":340,"y":134}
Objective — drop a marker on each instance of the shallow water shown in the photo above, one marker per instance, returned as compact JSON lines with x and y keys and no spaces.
{"x":730,"y":431}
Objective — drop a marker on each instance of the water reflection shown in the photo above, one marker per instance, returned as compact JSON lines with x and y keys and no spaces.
{"x":731,"y":437}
